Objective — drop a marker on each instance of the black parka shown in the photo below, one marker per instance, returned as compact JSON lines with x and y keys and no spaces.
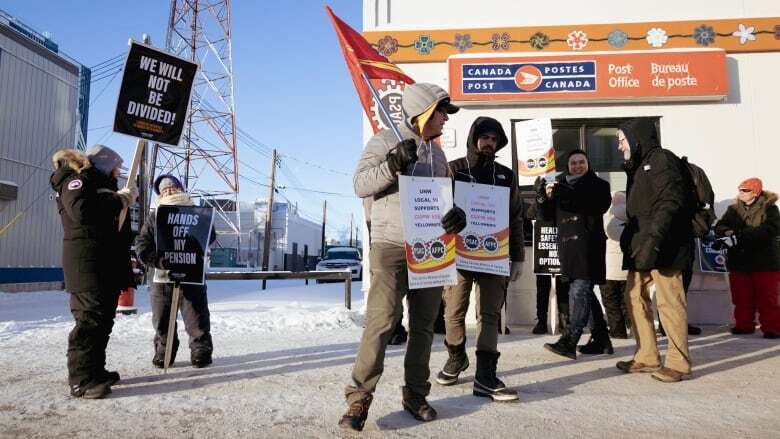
{"x":95,"y":254}
{"x":659,"y":203}
{"x":483,"y":169}
{"x":757,"y":228}
{"x":578,"y":209}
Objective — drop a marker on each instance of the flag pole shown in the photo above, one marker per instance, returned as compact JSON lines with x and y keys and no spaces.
{"x":381,"y":106}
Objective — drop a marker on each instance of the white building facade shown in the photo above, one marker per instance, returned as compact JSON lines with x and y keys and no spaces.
{"x":719,"y":114}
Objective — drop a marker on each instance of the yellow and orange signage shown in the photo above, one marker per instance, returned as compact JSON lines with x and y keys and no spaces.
{"x":591,"y":77}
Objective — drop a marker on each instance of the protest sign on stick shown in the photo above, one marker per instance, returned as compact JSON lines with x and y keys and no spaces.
{"x":535,"y":152}
{"x":154,"y":96}
{"x":546,"y":259}
{"x":182,"y":238}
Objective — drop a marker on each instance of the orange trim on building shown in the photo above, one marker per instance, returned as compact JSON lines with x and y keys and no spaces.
{"x":733,"y":35}
{"x":593,"y":77}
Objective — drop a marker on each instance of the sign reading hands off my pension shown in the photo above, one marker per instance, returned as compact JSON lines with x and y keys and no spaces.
{"x":182,"y":239}
{"x":154,"y":96}
{"x":430,"y":252}
{"x":647,"y":75}
{"x":483,"y":246}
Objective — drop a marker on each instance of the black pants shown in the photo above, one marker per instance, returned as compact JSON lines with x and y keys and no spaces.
{"x":94,"y":313}
{"x":194,"y":308}
{"x":612,"y":293}
{"x":543,"y":286}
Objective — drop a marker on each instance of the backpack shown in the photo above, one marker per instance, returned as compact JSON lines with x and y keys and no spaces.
{"x":704,"y":198}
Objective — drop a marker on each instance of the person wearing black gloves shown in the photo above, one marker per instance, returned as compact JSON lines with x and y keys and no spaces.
{"x":426,"y":108}
{"x":194,"y":303}
{"x":576,"y":203}
{"x":95,"y":259}
{"x":656,"y":248}
{"x":479,"y":166}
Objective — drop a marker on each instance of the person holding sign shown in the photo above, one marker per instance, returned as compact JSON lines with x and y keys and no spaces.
{"x":749,"y":230}
{"x":576,"y":203}
{"x":479,"y":166}
{"x":194,"y":303}
{"x":95,"y":259}
{"x":426,"y":108}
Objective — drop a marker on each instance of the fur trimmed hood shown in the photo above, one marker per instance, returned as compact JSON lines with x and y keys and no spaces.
{"x":71,"y":158}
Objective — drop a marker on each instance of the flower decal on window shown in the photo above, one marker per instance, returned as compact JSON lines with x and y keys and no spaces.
{"x":617,"y":38}
{"x":500,"y":41}
{"x":577,"y":40}
{"x":745,"y":34}
{"x":539,"y":40}
{"x":704,"y":35}
{"x":387,"y":45}
{"x":462,"y":42}
{"x":777,"y":32}
{"x":657,"y":37}
{"x":423,"y":44}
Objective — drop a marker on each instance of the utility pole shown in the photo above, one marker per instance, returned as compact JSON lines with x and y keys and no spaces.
{"x":269,"y":215}
{"x":350,"y":230}
{"x":324,"y":218}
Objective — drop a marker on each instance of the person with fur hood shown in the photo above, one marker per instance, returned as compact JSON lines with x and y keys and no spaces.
{"x":426,"y":108}
{"x":194,"y":303}
{"x":486,"y":137}
{"x":612,"y":291}
{"x":750,"y":229}
{"x":95,"y":259}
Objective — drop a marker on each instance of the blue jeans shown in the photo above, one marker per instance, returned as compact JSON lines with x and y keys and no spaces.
{"x":583,"y":306}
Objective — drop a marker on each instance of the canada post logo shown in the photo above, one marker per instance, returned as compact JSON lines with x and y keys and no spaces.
{"x":533,"y":77}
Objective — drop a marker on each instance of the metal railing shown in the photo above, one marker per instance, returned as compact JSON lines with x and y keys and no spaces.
{"x":345,"y":275}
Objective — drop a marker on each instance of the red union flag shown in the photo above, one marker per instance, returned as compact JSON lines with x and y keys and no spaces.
{"x":385,"y":77}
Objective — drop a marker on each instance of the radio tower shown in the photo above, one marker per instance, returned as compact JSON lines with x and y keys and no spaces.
{"x":206,"y":160}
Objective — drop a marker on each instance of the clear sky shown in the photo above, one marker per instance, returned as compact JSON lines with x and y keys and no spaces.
{"x":292,"y":88}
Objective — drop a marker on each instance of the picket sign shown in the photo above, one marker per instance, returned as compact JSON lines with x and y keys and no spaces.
{"x":430,"y":251}
{"x":483,"y":245}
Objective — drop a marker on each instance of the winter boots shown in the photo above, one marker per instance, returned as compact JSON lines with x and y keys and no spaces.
{"x":159,"y":355}
{"x":417,"y":405}
{"x":457,"y":362}
{"x":93,"y":389}
{"x":598,"y":344}
{"x":541,"y":327}
{"x":486,"y":383}
{"x":357,"y":412}
{"x":565,"y":346}
{"x":200,"y":358}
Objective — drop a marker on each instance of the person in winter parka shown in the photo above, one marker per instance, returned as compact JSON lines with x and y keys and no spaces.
{"x":194,"y":303}
{"x":95,"y":259}
{"x":656,"y":248}
{"x":613,"y":290}
{"x":426,"y":108}
{"x":750,"y":229}
{"x":576,"y":203}
{"x":486,"y":137}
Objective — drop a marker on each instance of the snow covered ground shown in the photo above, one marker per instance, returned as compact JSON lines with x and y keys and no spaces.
{"x":283,"y":356}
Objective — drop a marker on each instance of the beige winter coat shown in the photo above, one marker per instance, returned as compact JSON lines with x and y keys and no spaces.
{"x":614,"y":222}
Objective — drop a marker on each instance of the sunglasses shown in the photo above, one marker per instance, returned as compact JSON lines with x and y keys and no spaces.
{"x":745,"y":190}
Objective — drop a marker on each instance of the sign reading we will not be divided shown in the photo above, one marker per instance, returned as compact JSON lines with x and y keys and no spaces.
{"x":154,"y":96}
{"x":182,"y":238}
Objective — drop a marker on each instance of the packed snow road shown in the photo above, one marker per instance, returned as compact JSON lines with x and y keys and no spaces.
{"x":283,"y":356}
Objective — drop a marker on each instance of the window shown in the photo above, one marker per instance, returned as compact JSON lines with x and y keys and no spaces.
{"x":597,"y":137}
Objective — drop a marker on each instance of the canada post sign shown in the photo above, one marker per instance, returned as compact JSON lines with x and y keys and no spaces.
{"x":652,"y":75}
{"x":537,"y":77}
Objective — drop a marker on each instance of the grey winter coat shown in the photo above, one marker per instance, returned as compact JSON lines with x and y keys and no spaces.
{"x":373,"y":179}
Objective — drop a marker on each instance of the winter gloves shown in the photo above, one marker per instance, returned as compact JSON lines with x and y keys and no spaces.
{"x":725,"y":242}
{"x":454,"y":221}
{"x":540,"y":187}
{"x":127,"y":195}
{"x":404,"y":154}
{"x":646,"y":256}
